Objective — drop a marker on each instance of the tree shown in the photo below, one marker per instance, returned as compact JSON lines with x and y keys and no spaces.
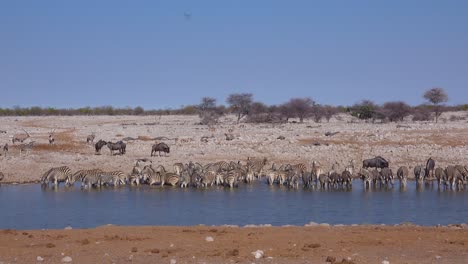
{"x":329,"y":111}
{"x":300,"y":107}
{"x":240,"y":104}
{"x":436,"y":96}
{"x":395,"y":111}
{"x":366,"y":109}
{"x":207,"y":111}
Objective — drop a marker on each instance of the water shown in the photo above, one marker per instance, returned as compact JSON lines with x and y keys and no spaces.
{"x":31,"y":207}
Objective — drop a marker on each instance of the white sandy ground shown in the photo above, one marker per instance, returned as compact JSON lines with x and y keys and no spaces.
{"x":446,"y":142}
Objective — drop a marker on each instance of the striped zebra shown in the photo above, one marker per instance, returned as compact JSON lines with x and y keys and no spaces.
{"x":81,"y":174}
{"x":57,"y":175}
{"x":208,"y":178}
{"x":231,"y":177}
{"x":402,"y":174}
{"x":256,"y":166}
{"x":179,"y":167}
{"x":169,"y":178}
{"x":88,"y":178}
{"x":147,"y":175}
{"x":113,"y":178}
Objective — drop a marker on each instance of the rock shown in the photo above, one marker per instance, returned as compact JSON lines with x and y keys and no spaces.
{"x":39,"y":258}
{"x":209,"y":239}
{"x":330,"y":259}
{"x":67,"y":259}
{"x":173,"y":261}
{"x":258,"y":254}
{"x":385,"y":262}
{"x":68,"y":228}
{"x":438,"y":257}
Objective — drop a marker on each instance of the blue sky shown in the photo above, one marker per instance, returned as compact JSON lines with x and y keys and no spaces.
{"x":146,"y":53}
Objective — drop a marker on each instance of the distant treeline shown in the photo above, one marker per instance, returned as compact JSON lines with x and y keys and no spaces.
{"x":247,"y":109}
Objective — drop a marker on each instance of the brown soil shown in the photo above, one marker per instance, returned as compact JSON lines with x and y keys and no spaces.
{"x":350,"y":244}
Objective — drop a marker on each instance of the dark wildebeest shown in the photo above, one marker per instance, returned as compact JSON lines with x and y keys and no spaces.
{"x":98,"y":146}
{"x":377,"y":162}
{"x":119,"y":145}
{"x":430,"y":165}
{"x":160,"y":147}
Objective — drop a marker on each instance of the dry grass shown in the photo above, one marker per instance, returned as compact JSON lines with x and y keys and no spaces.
{"x":65,"y":141}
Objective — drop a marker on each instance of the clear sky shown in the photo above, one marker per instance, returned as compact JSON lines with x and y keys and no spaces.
{"x":148,"y":53}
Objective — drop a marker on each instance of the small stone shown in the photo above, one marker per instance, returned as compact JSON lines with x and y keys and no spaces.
{"x":438,"y":257}
{"x":385,"y":262}
{"x":330,"y":259}
{"x":209,"y":239}
{"x":173,"y":261}
{"x":39,"y":258}
{"x":67,"y":259}
{"x":68,"y":228}
{"x":258,"y":254}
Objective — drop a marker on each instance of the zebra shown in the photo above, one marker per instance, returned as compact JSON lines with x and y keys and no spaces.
{"x":441,"y":177}
{"x":178,"y":168}
{"x":147,"y":175}
{"x":386,"y":175}
{"x":113,"y":178}
{"x":324,"y":180}
{"x":57,"y":175}
{"x":231,"y":177}
{"x":167,"y":177}
{"x":347,"y":178}
{"x":402,"y":174}
{"x":366,"y":177}
{"x":419,"y":173}
{"x":208,"y":178}
{"x":26,"y":147}
{"x":1,"y":176}
{"x":256,"y":166}
{"x":81,"y":174}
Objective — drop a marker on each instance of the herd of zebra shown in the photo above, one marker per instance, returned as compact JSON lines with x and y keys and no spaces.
{"x":374,"y":173}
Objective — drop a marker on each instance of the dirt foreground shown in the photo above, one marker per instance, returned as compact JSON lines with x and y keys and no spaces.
{"x":203,"y":244}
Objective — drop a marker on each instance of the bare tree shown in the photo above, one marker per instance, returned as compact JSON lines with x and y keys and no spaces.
{"x":395,"y":111}
{"x":207,"y":111}
{"x":329,"y":111}
{"x":300,"y":107}
{"x":436,"y":96}
{"x":240,"y":104}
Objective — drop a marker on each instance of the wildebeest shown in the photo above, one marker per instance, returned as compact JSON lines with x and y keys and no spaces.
{"x":119,"y":145}
{"x":430,"y":165}
{"x":160,"y":147}
{"x":377,"y":162}
{"x":98,"y":146}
